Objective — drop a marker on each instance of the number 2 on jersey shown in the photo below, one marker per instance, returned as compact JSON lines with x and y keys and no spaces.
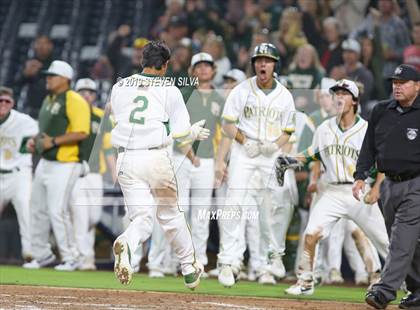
{"x":135,"y":116}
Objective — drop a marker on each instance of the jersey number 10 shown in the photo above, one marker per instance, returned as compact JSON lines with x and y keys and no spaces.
{"x":135,"y":116}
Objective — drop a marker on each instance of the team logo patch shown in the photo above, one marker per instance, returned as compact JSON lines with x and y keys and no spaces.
{"x":8,"y":155}
{"x":412,"y":133}
{"x":398,"y":71}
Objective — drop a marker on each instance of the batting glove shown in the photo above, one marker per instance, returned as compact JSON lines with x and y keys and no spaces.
{"x":252,"y":148}
{"x":282,"y":164}
{"x":268,"y":148}
{"x":198,"y":132}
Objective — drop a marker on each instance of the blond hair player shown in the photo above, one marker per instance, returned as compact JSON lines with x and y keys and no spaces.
{"x":148,"y":117}
{"x":337,"y":142}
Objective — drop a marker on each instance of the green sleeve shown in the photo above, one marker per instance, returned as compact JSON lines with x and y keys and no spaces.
{"x":305,"y":140}
{"x":23,"y":148}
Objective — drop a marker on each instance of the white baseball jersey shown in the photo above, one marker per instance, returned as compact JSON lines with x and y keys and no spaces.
{"x":338,"y":150}
{"x":145,"y":112}
{"x":260,"y":116}
{"x":13,"y":131}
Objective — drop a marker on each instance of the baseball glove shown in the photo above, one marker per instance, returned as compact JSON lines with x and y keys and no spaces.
{"x":282,"y":164}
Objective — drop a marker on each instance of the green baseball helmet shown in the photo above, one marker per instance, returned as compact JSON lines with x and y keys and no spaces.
{"x":266,"y":50}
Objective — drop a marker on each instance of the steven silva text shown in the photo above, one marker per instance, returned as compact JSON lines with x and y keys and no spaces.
{"x":227,"y":215}
{"x":158,"y":81}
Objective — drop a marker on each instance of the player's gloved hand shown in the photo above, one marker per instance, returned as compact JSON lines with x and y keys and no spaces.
{"x":252,"y":148}
{"x":268,"y":148}
{"x":282,"y":164}
{"x":198,"y":132}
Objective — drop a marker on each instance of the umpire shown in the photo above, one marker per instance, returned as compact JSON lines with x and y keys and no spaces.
{"x":392,"y":141}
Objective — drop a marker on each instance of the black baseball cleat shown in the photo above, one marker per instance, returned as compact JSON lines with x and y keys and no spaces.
{"x":376,"y":299}
{"x":411,"y":302}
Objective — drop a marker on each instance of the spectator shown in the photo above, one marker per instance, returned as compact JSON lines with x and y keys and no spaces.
{"x":372,"y":57}
{"x":333,"y":53}
{"x":412,"y":52}
{"x":122,"y":64}
{"x":180,"y":62}
{"x":311,"y":23}
{"x":173,"y":8}
{"x":349,"y":13}
{"x":394,"y":35}
{"x":250,"y":22}
{"x":306,"y":71}
{"x":290,"y":35}
{"x":32,"y":75}
{"x":176,"y":30}
{"x":356,"y":71}
{"x":215,"y":47}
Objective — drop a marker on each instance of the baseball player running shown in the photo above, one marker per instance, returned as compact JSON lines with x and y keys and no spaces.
{"x":337,"y":142}
{"x":258,"y":114}
{"x":148,"y":117}
{"x":86,"y":199}
{"x":16,"y":166}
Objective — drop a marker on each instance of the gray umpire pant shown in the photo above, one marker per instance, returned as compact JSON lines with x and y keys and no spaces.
{"x":401,"y":208}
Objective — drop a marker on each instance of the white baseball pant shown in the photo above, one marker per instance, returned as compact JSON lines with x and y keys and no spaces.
{"x":86,"y":207}
{"x":51,"y":190}
{"x":337,"y":202}
{"x":240,"y":172}
{"x":250,"y":234}
{"x":141,"y":174}
{"x":15,"y":187}
{"x":341,"y":236}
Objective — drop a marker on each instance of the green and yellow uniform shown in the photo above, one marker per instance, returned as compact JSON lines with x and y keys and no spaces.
{"x":61,"y":114}
{"x":208,"y":106}
{"x":98,"y":144}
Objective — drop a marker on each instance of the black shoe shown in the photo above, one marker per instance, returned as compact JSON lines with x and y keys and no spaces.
{"x":411,"y":301}
{"x":376,"y":299}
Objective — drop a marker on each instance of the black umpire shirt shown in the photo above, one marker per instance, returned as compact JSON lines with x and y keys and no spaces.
{"x":392,"y":141}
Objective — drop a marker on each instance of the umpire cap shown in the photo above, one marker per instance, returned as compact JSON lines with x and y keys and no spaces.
{"x":406,"y":72}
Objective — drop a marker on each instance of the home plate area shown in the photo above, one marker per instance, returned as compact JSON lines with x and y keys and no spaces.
{"x":34,"y":297}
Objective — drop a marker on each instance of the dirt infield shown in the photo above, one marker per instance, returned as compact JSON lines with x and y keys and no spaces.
{"x":33,"y":297}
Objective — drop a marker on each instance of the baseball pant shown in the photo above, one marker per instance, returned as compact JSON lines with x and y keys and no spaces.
{"x":304,"y":218}
{"x":343,"y":235}
{"x":401,"y":205}
{"x":51,"y":190}
{"x":141,"y":174}
{"x":158,"y":246}
{"x":86,"y":208}
{"x":15,"y":187}
{"x":240,"y":172}
{"x":284,"y":199}
{"x":250,"y":234}
{"x":337,"y":202}
{"x":195,"y":194}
